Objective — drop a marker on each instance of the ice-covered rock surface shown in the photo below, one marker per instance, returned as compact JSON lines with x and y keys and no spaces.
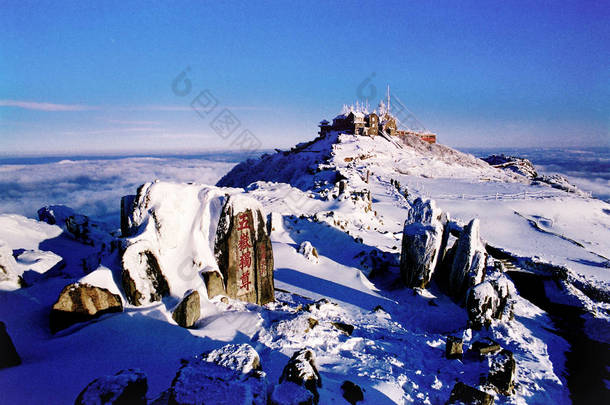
{"x":468,"y":268}
{"x":422,"y":243}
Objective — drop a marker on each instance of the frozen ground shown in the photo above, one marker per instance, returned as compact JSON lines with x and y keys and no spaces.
{"x":396,"y":352}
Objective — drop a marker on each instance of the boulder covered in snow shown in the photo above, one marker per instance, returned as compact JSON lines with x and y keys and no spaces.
{"x":302,"y":370}
{"x":9,"y":279}
{"x":125,"y":387}
{"x":502,"y":370}
{"x":181,"y":237}
{"x":468,"y":267}
{"x":80,"y":227}
{"x":289,"y":393}
{"x":228,"y":375}
{"x":82,"y":302}
{"x":8,"y":354}
{"x":491,"y":299}
{"x":422,"y":241}
{"x":188,"y":310}
{"x":310,"y":252}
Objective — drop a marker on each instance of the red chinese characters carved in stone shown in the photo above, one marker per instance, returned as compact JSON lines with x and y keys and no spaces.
{"x":243,"y":222}
{"x":245,"y":260}
{"x":244,"y":241}
{"x":245,"y":281}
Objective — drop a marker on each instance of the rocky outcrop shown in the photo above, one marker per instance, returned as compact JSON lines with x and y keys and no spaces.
{"x":231,"y":374}
{"x":344,"y":327}
{"x":525,"y":168}
{"x":512,"y":163}
{"x":302,"y":370}
{"x":9,"y":279}
{"x":468,"y":267}
{"x":492,"y":299}
{"x":80,"y":303}
{"x":142,"y":278}
{"x":465,"y":394}
{"x":181,"y":237}
{"x":422,"y":241}
{"x":188,"y":310}
{"x":453,"y":348}
{"x":308,"y":251}
{"x":8,"y":354}
{"x":502,"y":370}
{"x":243,"y":251}
{"x":80,"y":227}
{"x":125,"y":387}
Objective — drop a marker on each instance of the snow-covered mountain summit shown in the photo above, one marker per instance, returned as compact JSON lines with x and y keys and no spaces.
{"x":399,"y":268}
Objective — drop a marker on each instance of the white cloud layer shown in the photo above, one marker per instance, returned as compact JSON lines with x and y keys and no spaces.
{"x":94,"y":187}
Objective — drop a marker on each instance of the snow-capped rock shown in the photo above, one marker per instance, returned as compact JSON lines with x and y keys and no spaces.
{"x":189,"y":236}
{"x":468,"y":267}
{"x":513,"y":163}
{"x":310,"y":252}
{"x":125,"y":387}
{"x":422,"y":240}
{"x":82,"y":302}
{"x":9,"y":279}
{"x":491,"y":299}
{"x":188,"y":310}
{"x":289,"y":393}
{"x":229,"y":375}
{"x":502,"y":371}
{"x":302,"y":370}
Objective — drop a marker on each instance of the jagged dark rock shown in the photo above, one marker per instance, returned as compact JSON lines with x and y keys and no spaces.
{"x":126,"y":387}
{"x":302,"y":370}
{"x":188,"y":310}
{"x":351,"y":392}
{"x":344,"y":327}
{"x":453,"y":348}
{"x":8,"y":353}
{"x":502,"y":369}
{"x":485,"y":347}
{"x":80,"y":303}
{"x":465,"y":394}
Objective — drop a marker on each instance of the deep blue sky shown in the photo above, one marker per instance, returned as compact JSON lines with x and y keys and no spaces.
{"x":531,"y":73}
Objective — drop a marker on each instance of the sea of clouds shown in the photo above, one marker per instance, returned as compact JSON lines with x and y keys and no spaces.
{"x":94,"y":185}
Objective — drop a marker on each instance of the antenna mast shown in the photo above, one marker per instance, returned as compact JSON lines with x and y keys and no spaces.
{"x":388,"y":99}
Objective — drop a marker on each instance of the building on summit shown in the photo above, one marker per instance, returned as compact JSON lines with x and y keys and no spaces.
{"x":356,"y":120}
